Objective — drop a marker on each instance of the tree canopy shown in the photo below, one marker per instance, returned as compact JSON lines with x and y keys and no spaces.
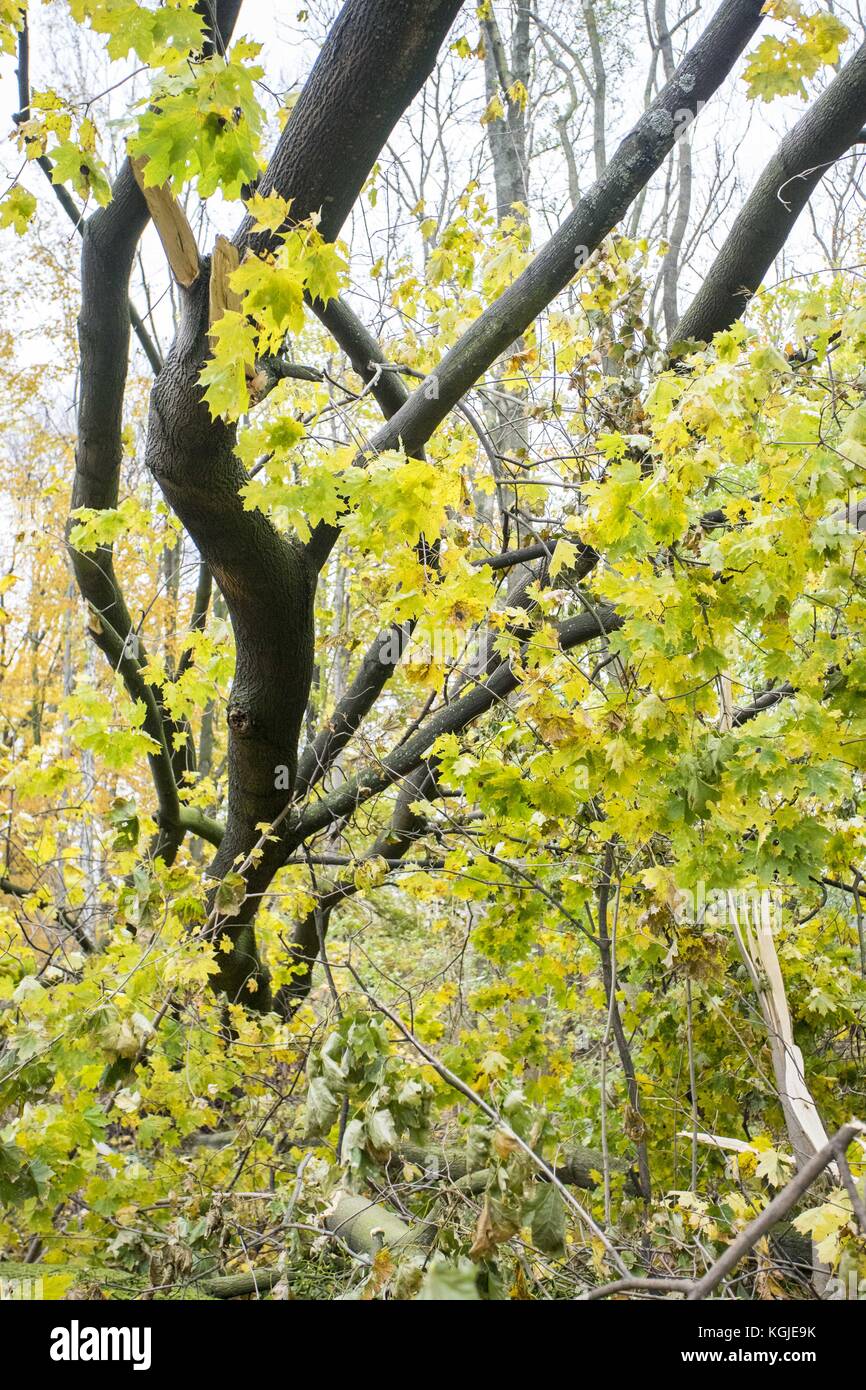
{"x":432,"y":683}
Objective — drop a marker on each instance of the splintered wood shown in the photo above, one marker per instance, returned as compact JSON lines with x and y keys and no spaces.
{"x":172,"y":225}
{"x":222,"y":297}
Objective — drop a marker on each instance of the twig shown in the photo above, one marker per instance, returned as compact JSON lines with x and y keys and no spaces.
{"x":857,"y":1203}
{"x":692,"y":1084}
{"x":64,"y":197}
{"x":607,"y":950}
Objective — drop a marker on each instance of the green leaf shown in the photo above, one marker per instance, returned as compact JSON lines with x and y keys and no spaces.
{"x":224,"y":374}
{"x":325,"y":271}
{"x":322,"y":1107}
{"x":381,"y":1131}
{"x":204,"y":121}
{"x":548,"y":1220}
{"x":780,"y":67}
{"x":231,"y":893}
{"x":82,"y":169}
{"x":447,"y":1281}
{"x":125,"y":821}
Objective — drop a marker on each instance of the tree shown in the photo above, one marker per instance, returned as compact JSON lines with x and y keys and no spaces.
{"x":661,"y":705}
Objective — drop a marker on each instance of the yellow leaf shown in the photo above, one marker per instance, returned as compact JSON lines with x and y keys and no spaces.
{"x":564,"y":557}
{"x":494,"y":112}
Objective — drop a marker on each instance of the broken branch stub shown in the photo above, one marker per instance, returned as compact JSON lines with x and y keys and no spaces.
{"x":172,"y":225}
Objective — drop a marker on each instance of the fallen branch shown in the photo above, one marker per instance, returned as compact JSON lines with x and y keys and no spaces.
{"x":779,"y":1207}
{"x":366,"y":1226}
{"x":639,"y":1285}
{"x":448,"y":1076}
{"x":239,"y":1285}
{"x":575,"y":1169}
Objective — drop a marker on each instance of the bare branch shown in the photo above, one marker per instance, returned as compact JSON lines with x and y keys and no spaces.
{"x":829,"y":128}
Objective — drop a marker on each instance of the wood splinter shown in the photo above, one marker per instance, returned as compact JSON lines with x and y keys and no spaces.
{"x":222,"y":298}
{"x":172,"y":225}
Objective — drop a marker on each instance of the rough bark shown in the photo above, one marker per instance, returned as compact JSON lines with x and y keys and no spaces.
{"x":374,"y":62}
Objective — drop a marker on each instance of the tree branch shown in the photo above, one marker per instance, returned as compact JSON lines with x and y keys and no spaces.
{"x":829,"y":128}
{"x":457,"y":1084}
{"x":64,"y":197}
{"x":109,"y":241}
{"x":452,"y":718}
